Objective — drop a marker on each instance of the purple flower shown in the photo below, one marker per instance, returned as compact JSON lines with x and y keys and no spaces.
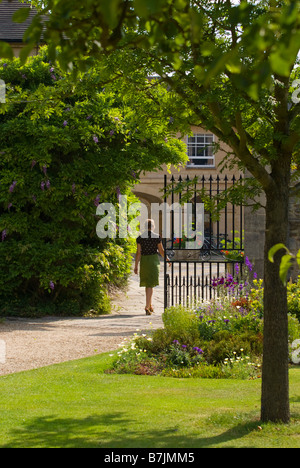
{"x":89,"y":117}
{"x":97,"y":200}
{"x":12,"y":187}
{"x":45,"y":169}
{"x":198,"y":350}
{"x":52,"y":69}
{"x":248,"y":264}
{"x":9,"y":206}
{"x":237,"y":268}
{"x":51,"y":285}
{"x":95,"y":138}
{"x":4,"y":65}
{"x":65,"y":123}
{"x":33,"y":164}
{"x":4,"y":234}
{"x":184,"y":346}
{"x":43,"y":185}
{"x":111,"y":132}
{"x":176,"y":342}
{"x":48,"y":184}
{"x":53,"y":77}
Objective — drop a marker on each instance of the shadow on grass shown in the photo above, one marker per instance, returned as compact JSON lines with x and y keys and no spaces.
{"x":112,"y":430}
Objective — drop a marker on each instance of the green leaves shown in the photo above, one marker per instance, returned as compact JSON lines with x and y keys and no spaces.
{"x":6,"y":50}
{"x":287,"y":260}
{"x":21,"y":15}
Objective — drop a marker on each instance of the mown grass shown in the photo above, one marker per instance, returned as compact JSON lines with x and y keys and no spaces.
{"x":77,"y":405}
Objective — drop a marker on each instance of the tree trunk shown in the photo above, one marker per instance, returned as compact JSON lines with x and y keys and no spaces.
{"x":275,"y":380}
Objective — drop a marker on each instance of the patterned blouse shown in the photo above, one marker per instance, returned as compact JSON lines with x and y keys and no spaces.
{"x":149,"y":243}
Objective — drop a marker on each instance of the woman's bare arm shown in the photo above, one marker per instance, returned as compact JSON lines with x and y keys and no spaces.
{"x":137,"y":258}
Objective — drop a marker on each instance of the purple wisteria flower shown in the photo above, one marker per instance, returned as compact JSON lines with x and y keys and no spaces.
{"x":111,"y":132}
{"x":13,"y":186}
{"x":52,"y":285}
{"x":65,"y":123}
{"x":96,"y":139}
{"x":4,"y":234}
{"x":45,"y":169}
{"x":48,"y":184}
{"x":43,"y":185}
{"x":97,"y":200}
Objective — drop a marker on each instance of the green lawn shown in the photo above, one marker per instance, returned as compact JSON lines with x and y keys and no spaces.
{"x":76,"y":405}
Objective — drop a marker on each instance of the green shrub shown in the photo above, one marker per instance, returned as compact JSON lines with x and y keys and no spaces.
{"x":294,"y":298}
{"x":181,"y":323}
{"x":225,"y":344}
{"x":67,"y":146}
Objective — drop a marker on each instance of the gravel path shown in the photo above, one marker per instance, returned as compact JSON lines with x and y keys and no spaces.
{"x":32,"y":343}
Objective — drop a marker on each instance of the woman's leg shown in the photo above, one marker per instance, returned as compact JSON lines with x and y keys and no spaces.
{"x":149,"y":295}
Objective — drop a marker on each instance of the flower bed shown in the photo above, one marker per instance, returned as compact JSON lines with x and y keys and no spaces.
{"x":221,"y":338}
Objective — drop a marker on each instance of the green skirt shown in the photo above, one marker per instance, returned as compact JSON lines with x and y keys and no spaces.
{"x":149,"y":271}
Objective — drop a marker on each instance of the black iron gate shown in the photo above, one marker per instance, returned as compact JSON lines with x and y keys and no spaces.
{"x":192,"y":273}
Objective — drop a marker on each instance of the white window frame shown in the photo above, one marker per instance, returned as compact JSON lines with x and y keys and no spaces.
{"x":200,"y":141}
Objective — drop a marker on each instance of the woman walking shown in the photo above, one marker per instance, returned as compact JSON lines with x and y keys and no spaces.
{"x":149,"y":245}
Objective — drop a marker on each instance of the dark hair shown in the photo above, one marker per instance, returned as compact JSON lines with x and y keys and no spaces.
{"x":150,"y":225}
